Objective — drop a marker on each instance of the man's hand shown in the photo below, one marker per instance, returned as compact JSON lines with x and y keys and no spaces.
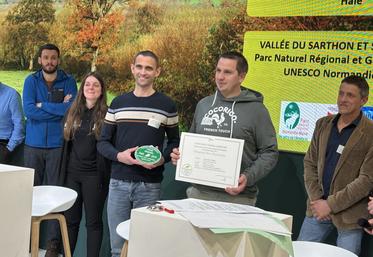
{"x":152,"y":166}
{"x":126,"y":158}
{"x":370,"y":210}
{"x":175,"y":156}
{"x":370,"y":205}
{"x":242,"y":182}
{"x":321,"y":210}
{"x":369,"y":231}
{"x":67,"y":98}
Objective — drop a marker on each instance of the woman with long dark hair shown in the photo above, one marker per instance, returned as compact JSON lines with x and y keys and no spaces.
{"x":83,"y":169}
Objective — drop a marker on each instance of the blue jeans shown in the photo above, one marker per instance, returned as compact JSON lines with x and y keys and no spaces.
{"x":124,"y":196}
{"x":317,"y":231}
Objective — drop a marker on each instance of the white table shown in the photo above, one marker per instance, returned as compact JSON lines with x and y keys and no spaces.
{"x":169,"y":235}
{"x":15,"y":204}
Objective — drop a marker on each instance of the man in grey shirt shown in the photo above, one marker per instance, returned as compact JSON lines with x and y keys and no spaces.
{"x":236,"y":112}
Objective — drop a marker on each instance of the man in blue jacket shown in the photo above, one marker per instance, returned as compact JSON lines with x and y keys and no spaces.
{"x":47,"y":94}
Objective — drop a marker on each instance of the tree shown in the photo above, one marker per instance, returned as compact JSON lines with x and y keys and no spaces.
{"x":148,"y":16}
{"x":27,"y":28}
{"x":92,"y":28}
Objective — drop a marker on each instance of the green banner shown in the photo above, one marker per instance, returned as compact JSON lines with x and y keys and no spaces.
{"x":299,"y":74}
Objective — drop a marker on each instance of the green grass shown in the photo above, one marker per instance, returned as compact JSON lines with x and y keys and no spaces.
{"x":110,"y":97}
{"x":15,"y":80}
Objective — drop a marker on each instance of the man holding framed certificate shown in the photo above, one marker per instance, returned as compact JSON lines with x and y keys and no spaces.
{"x":232,"y":112}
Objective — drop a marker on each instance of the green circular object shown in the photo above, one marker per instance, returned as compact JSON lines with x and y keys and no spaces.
{"x":148,"y":154}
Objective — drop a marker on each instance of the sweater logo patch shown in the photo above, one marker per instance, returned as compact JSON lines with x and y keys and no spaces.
{"x":219,"y":117}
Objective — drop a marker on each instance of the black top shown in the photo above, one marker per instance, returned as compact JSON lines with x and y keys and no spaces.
{"x":337,"y":141}
{"x":83,"y":148}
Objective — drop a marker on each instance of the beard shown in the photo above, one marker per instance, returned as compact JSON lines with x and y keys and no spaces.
{"x":49,"y":69}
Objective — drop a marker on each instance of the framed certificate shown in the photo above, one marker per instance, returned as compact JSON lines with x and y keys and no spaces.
{"x":209,"y":160}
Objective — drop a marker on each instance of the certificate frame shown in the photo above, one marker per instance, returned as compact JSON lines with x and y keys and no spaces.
{"x":209,"y":160}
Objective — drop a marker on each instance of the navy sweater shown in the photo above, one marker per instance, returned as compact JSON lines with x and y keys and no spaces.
{"x":129,"y":122}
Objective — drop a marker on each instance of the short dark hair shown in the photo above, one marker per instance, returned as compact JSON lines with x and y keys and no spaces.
{"x":49,"y":47}
{"x":360,"y":82}
{"x":149,"y":54}
{"x":242,"y":65}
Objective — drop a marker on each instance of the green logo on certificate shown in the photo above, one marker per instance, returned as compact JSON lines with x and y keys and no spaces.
{"x":148,"y":154}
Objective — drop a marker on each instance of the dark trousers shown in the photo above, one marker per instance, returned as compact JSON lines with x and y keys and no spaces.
{"x":46,"y":163}
{"x":92,"y":195}
{"x":4,"y":152}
